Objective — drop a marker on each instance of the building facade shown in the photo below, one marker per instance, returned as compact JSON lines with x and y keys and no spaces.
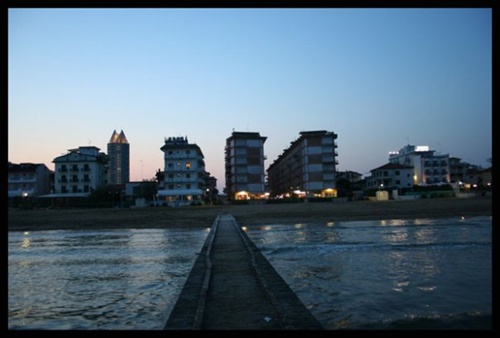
{"x":118,"y":159}
{"x":458,"y":170}
{"x":80,"y":171}
{"x":28,"y":180}
{"x":244,"y":166}
{"x":428,"y":168}
{"x":307,"y":168}
{"x":390,"y":176}
{"x":185,"y":178}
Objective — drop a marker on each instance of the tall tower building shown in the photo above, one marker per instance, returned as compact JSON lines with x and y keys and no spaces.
{"x":119,"y":159}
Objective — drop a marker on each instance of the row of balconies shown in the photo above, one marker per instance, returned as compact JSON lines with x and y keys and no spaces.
{"x":65,"y":170}
{"x":22,"y":179}
{"x":436,"y":172}
{"x":29,"y":190}
{"x":77,"y":180}
{"x":183,"y":181}
{"x":436,"y":164}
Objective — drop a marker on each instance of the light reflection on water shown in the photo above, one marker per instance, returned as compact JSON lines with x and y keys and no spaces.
{"x":372,"y":274}
{"x":366,"y":274}
{"x":120,"y":279}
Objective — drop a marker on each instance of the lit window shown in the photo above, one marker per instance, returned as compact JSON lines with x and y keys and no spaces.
{"x":188,"y":165}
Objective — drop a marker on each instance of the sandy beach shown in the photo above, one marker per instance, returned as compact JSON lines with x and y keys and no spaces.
{"x":247,"y":215}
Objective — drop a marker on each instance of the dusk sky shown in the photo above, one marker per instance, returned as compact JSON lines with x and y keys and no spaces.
{"x":378,"y":78}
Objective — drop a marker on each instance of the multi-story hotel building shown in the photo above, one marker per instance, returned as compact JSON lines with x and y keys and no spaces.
{"x":185,"y":178}
{"x":118,"y":159}
{"x":244,"y":166}
{"x":306,"y":168}
{"x":80,"y":171}
{"x":428,"y":168}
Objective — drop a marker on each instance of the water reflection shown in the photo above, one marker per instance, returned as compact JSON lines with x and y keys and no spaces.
{"x":349,"y":274}
{"x":398,"y":236}
{"x":98,"y":279}
{"x":355,"y":274}
{"x":26,"y":243}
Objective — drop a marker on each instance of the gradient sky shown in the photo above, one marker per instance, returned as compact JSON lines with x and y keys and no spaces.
{"x":378,"y":78}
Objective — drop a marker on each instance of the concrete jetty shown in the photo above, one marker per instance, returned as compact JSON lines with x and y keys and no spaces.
{"x":232,"y":286}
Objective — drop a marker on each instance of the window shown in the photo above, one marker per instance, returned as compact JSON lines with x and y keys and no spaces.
{"x":188,"y":186}
{"x":188,"y":165}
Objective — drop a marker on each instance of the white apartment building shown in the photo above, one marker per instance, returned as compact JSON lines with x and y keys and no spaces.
{"x":244,"y":166}
{"x":428,"y":168}
{"x":79,"y":172}
{"x":185,"y":178}
{"x":390,"y":176}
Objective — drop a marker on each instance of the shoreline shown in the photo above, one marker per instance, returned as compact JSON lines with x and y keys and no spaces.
{"x":248,"y":215}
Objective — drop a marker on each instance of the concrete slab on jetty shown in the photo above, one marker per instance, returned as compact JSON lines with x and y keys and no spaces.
{"x":232,"y":286}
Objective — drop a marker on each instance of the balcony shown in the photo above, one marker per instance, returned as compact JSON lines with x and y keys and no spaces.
{"x":22,"y":179}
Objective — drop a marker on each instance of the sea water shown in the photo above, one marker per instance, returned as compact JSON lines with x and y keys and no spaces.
{"x":394,"y":274}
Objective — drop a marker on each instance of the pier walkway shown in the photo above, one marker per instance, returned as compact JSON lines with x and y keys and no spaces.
{"x":232,"y":286}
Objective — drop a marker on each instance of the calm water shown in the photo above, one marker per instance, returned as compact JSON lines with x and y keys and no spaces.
{"x":411,"y":274}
